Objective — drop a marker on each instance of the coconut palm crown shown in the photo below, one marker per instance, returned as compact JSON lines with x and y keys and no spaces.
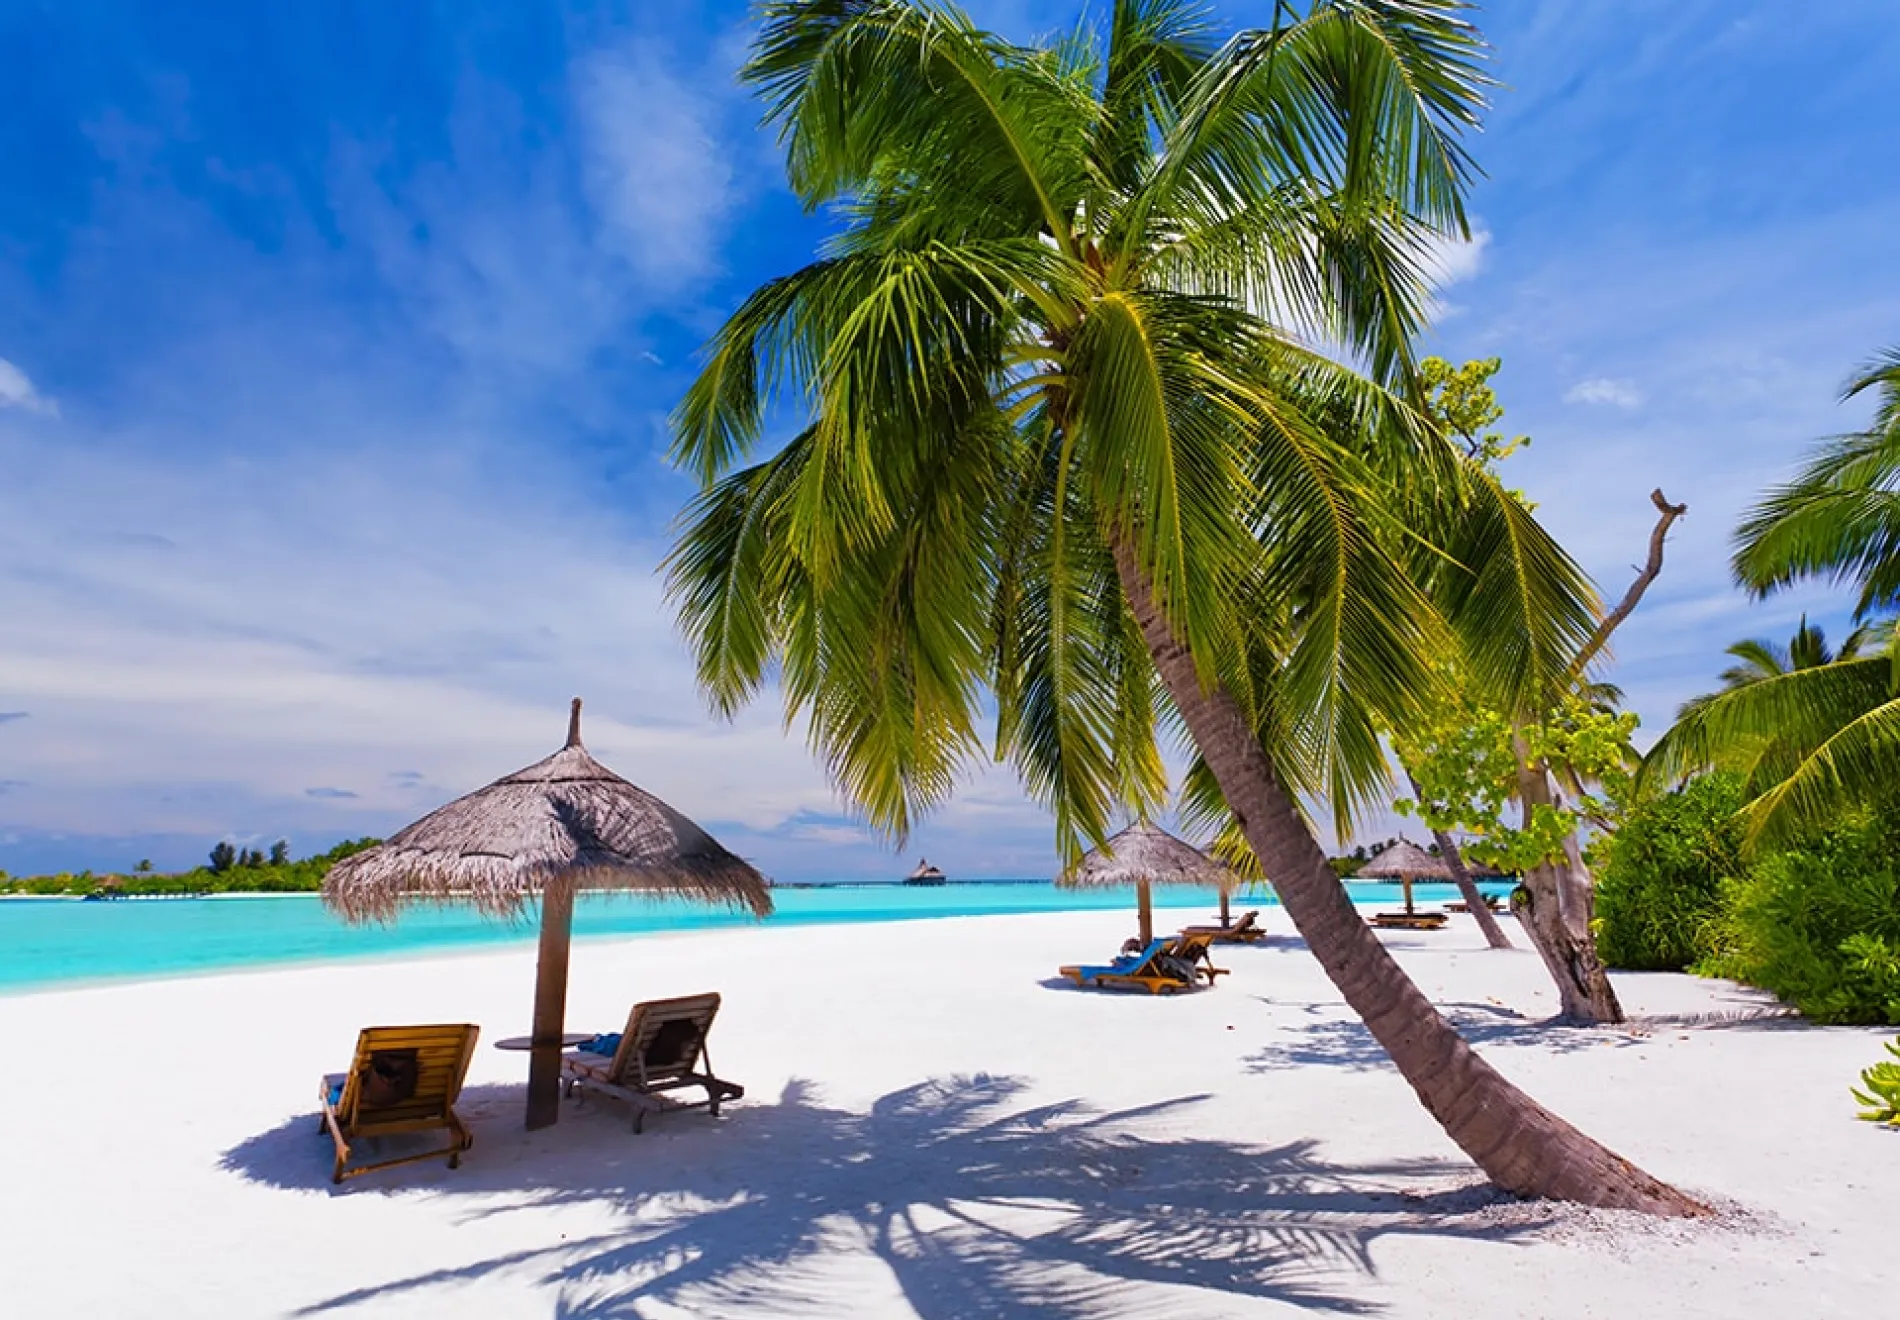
{"x":1059,"y":318}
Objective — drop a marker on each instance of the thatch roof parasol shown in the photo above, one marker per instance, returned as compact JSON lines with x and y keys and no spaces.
{"x":1406,"y":861}
{"x":562,"y":825}
{"x":1143,"y":855}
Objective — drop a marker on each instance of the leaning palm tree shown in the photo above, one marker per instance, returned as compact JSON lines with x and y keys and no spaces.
{"x":1813,"y":733}
{"x":1062,"y":443}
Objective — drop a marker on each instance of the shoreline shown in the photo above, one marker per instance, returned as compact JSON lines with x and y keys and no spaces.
{"x":526,"y":933}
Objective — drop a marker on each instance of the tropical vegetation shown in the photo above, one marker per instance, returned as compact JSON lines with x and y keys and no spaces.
{"x":1816,"y":740}
{"x":1063,"y":439}
{"x":232,"y":871}
{"x":1805,"y":875}
{"x":1818,"y":922}
{"x":1661,"y":875}
{"x":1882,"y":1096}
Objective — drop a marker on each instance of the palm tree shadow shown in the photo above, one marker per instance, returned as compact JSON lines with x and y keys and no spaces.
{"x":977,"y":1205}
{"x":1347,"y":1044}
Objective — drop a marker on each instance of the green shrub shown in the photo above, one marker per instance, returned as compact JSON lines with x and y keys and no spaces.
{"x":1882,"y":1096}
{"x":1659,"y":877}
{"x":1819,"y":924}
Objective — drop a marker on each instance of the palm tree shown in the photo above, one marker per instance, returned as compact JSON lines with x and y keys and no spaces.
{"x":1759,"y":658}
{"x":1812,"y":731}
{"x":1064,"y":445}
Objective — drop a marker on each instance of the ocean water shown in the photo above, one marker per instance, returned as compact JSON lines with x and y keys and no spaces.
{"x":52,"y":942}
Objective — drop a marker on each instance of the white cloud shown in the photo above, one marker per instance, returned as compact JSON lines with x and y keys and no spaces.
{"x":1448,"y":260}
{"x":17,"y":391}
{"x":1601,"y":390}
{"x":656,"y":167}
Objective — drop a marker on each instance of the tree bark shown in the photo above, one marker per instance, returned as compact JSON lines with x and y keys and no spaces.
{"x":1455,"y":862}
{"x":1558,"y":901}
{"x":1520,"y":1145}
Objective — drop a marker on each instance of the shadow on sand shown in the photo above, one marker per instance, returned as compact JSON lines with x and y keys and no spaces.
{"x":1343,"y":1043}
{"x":978,"y":1205}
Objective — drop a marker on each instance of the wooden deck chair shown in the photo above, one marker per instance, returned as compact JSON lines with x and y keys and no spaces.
{"x":662,"y":1050}
{"x":1245,"y":930}
{"x":403,"y":1079}
{"x":1409,"y":920}
{"x":1144,"y":970}
{"x":1195,"y":949}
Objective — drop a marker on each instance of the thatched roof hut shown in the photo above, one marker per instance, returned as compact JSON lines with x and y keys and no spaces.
{"x":925,"y":874}
{"x":1143,"y":855}
{"x":562,"y":825}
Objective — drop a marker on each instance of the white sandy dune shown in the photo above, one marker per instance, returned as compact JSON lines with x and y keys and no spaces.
{"x":932,"y":1129}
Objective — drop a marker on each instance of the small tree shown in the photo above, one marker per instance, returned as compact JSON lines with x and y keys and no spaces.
{"x":144,"y":866}
{"x":223,"y":857}
{"x":280,"y":852}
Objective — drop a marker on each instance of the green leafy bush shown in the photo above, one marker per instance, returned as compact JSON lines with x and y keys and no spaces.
{"x":1660,"y":876}
{"x":1882,"y":1096}
{"x":1819,"y":924}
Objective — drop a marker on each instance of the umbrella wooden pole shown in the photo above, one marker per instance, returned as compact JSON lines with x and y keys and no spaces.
{"x":1225,"y":921}
{"x":550,"y":1007}
{"x":1406,"y":880}
{"x":1146,"y":903}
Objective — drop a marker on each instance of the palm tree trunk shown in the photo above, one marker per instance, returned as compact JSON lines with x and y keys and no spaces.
{"x":1558,"y":902}
{"x":1520,"y":1145}
{"x":1467,"y":887}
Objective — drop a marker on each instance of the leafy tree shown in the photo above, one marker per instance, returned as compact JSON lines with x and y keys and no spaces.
{"x":280,"y":852}
{"x":144,"y":867}
{"x":1060,"y":443}
{"x":1814,"y":740}
{"x":223,"y":856}
{"x":1463,"y":400}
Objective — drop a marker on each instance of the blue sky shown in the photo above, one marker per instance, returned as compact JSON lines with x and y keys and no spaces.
{"x":336,"y":344}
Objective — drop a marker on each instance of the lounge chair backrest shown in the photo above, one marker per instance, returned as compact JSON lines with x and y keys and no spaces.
{"x":1247,"y":920}
{"x":1192,"y":945}
{"x":405,"y":1073}
{"x":664,"y":1040}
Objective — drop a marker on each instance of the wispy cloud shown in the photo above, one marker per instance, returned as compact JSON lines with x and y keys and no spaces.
{"x":17,"y":391}
{"x":658,"y":166}
{"x":8,"y":716}
{"x":1449,"y":261}
{"x":1604,"y":391}
{"x":329,"y":794}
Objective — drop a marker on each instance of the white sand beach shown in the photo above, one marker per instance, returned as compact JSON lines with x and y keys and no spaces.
{"x":933,"y":1128}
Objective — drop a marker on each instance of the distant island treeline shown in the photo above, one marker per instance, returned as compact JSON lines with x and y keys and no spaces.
{"x":235,"y":870}
{"x":231,"y":870}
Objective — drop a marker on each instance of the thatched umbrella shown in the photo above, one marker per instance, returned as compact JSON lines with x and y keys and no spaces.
{"x":1143,"y":855}
{"x":561,"y":825}
{"x":1404,"y":862}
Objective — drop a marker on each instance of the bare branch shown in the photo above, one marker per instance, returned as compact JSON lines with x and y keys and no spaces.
{"x":1634,"y":596}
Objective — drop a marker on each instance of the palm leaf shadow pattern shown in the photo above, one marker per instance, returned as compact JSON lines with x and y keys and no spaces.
{"x":979,"y":1206}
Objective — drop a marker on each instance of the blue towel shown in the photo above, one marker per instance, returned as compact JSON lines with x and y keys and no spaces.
{"x":336,"y":1094}
{"x":607,"y":1044}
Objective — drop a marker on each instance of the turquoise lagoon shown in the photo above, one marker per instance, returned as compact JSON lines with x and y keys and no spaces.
{"x":52,"y":942}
